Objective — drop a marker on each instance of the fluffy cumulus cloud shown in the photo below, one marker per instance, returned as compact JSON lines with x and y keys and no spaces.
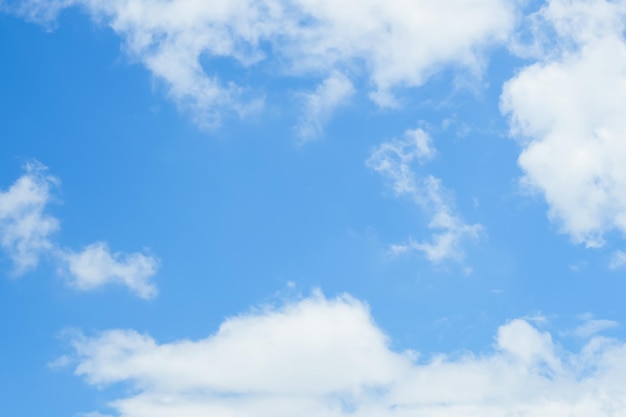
{"x":24,"y":226}
{"x":326,"y":357}
{"x":25,"y":236}
{"x":567,"y":111}
{"x":395,"y":161}
{"x":394,"y":44}
{"x":96,"y":266}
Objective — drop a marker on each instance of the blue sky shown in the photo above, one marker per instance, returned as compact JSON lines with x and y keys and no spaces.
{"x":328,"y":208}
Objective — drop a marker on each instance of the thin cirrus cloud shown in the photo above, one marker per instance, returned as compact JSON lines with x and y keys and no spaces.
{"x":394,"y":160}
{"x":326,"y":357}
{"x":319,"y":105}
{"x":393,"y":44}
{"x":26,"y":231}
{"x":592,"y":326}
{"x":618,"y":259}
{"x":567,"y":112}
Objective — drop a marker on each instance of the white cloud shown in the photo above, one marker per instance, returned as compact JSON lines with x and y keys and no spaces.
{"x":41,"y":11}
{"x":25,"y":235}
{"x":24,"y":227}
{"x":567,"y":112}
{"x":96,"y":414}
{"x":394,"y":160}
{"x":320,"y":104}
{"x":393,"y":44}
{"x":561,"y":26}
{"x":326,"y":357}
{"x":95,"y":266}
{"x":591,"y":326}
{"x":618,"y":259}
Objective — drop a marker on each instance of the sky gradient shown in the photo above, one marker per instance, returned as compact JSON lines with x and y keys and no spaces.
{"x":312,"y":208}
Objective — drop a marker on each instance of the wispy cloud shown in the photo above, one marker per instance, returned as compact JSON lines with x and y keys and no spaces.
{"x":326,"y":357}
{"x":319,"y":105}
{"x":618,"y":259}
{"x":393,"y":44}
{"x":26,"y":235}
{"x":394,"y":160}
{"x":591,"y":326}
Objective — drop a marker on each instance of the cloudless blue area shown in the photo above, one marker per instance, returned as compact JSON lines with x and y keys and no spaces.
{"x":238,"y":213}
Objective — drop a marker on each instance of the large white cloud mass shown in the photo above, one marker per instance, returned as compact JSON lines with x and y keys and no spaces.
{"x":567,"y":110}
{"x":393,"y":44}
{"x":323,"y":357}
{"x":26,"y":231}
